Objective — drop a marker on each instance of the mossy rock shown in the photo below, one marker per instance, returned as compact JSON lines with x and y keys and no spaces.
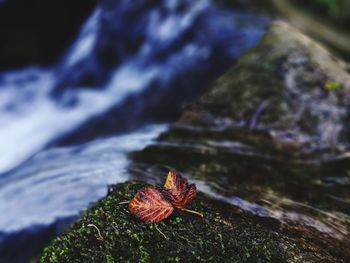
{"x":225,"y":234}
{"x":290,"y":86}
{"x":269,"y":136}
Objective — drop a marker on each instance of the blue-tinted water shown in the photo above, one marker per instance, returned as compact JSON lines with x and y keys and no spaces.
{"x":132,"y":64}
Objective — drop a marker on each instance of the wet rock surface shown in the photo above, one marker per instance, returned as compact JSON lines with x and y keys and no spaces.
{"x":290,"y":86}
{"x":225,"y":234}
{"x":266,"y":145}
{"x":270,"y":136}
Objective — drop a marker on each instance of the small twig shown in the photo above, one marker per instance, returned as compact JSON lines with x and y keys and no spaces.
{"x":100,"y":237}
{"x":193,"y":212}
{"x":161,"y":232}
{"x":124,"y":203}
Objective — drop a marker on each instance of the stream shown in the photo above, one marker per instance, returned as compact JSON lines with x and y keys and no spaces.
{"x":66,"y":130}
{"x":105,"y":113}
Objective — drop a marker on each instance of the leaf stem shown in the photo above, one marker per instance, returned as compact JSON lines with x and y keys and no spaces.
{"x":193,"y":212}
{"x":100,"y":237}
{"x":161,"y":232}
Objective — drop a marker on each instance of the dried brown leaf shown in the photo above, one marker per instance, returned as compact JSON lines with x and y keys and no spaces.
{"x":178,"y":191}
{"x":150,"y":206}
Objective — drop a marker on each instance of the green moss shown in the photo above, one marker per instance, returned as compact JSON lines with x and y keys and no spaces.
{"x":279,"y":71}
{"x":226,"y":234}
{"x":332,"y":86}
{"x":288,"y":85}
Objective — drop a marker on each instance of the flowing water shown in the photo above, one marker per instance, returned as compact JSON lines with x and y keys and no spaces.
{"x":129,"y":62}
{"x":61,"y":181}
{"x":46,"y":104}
{"x":131,"y":65}
{"x":178,"y":46}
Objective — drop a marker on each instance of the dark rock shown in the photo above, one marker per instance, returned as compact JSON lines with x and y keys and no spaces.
{"x":269,"y":137}
{"x":257,"y":143}
{"x":290,"y":86}
{"x":225,"y":234}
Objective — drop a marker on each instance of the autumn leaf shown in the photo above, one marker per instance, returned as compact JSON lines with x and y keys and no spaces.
{"x":153,"y":206}
{"x":178,"y":191}
{"x":150,"y":206}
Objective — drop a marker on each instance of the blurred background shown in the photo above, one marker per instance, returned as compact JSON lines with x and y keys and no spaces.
{"x":84,"y":83}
